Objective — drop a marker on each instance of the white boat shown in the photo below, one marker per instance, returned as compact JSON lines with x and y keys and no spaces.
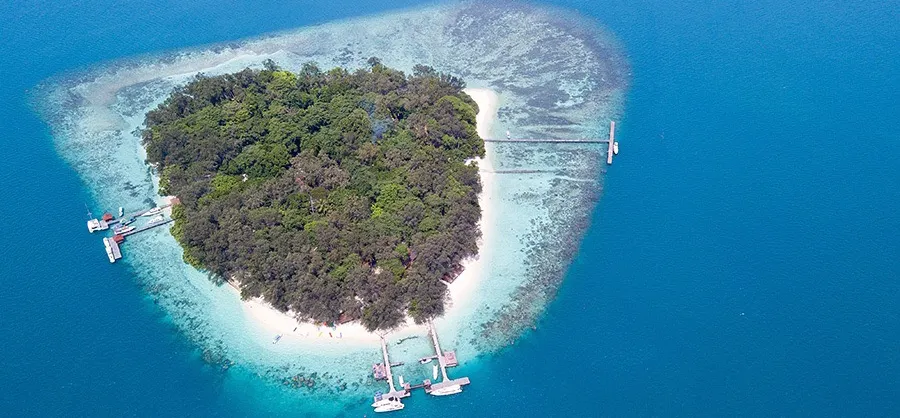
{"x":123,"y":229}
{"x":388,"y":405}
{"x":159,"y":218}
{"x":94,"y":225}
{"x":109,"y":251}
{"x":154,"y":211}
{"x":121,"y":211}
{"x":449,"y":390}
{"x":434,"y":371}
{"x":616,"y":148}
{"x":401,"y":380}
{"x":277,"y":339}
{"x":425,"y":360}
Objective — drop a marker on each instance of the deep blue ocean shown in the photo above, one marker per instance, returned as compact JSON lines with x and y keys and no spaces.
{"x":744,"y":260}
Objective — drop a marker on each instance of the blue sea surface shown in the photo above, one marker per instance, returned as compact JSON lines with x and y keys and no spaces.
{"x":744,"y":259}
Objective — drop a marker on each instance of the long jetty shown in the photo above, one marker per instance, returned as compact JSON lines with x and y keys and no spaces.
{"x":444,"y":358}
{"x":387,"y":365}
{"x":437,"y":350}
{"x":613,"y":146}
{"x":383,"y":372}
{"x":550,"y":140}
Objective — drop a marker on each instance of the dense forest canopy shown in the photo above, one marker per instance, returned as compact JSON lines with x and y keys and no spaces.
{"x":332,"y":194}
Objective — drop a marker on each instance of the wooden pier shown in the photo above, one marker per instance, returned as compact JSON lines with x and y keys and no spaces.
{"x":550,"y":140}
{"x":446,"y":386}
{"x":613,"y":146}
{"x":385,"y":368}
{"x":112,"y":244}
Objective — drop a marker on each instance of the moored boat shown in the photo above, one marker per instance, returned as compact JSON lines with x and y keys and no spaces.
{"x":123,"y":229}
{"x":449,"y":390}
{"x":388,"y":405}
{"x":109,"y":251}
{"x":153,"y":211}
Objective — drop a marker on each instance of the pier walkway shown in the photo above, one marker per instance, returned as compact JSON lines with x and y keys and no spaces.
{"x":550,"y":140}
{"x":446,"y":386}
{"x":389,"y":376}
{"x":613,"y":146}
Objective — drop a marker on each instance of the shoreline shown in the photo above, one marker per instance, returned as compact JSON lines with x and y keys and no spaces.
{"x":266,"y":318}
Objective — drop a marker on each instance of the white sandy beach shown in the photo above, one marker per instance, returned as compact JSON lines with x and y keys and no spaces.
{"x":275,"y":322}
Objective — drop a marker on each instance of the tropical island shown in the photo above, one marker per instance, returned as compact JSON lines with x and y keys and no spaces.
{"x":334,"y":195}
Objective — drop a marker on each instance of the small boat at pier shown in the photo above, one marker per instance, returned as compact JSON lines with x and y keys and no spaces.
{"x":123,"y":229}
{"x":388,"y":405}
{"x":449,"y":390}
{"x":154,"y":211}
{"x":434,"y":372}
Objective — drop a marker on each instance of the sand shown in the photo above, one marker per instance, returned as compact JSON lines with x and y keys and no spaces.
{"x":268,"y":319}
{"x":462,"y":289}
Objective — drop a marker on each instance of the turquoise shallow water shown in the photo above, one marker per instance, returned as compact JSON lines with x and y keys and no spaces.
{"x":740,"y":262}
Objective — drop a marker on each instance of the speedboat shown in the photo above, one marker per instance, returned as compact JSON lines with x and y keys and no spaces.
{"x":123,"y":229}
{"x":154,"y":211}
{"x":159,"y":218}
{"x":388,"y":405}
{"x":434,"y":370}
{"x":425,"y":360}
{"x":379,"y":401}
{"x":616,"y":148}
{"x":277,"y":339}
{"x":109,"y":251}
{"x":449,"y":390}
